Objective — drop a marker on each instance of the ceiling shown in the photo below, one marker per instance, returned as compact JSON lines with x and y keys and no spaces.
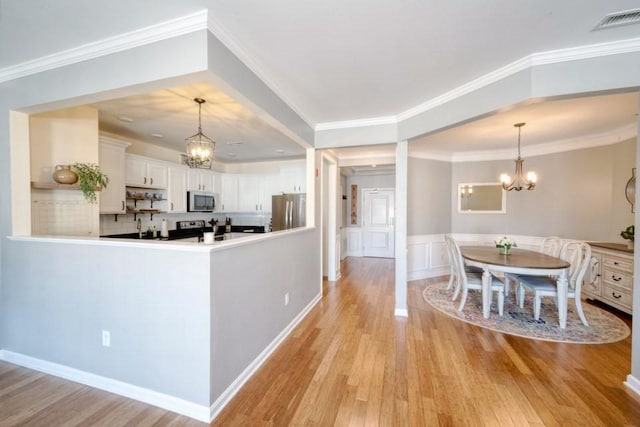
{"x":341,"y":60}
{"x":166,"y":117}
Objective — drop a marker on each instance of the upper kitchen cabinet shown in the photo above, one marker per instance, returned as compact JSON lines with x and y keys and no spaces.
{"x":228,"y":193}
{"x":177,"y":190}
{"x":112,"y":163}
{"x":202,"y":180}
{"x":293,"y":178}
{"x":146,"y":173}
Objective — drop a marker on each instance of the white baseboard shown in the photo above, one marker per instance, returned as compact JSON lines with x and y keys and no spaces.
{"x":401,"y":312}
{"x":426,"y":273}
{"x":633,"y":384}
{"x":161,"y":400}
{"x":235,"y":386}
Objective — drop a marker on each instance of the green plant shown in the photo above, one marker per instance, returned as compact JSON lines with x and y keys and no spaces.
{"x":90,"y":180}
{"x":628,"y":233}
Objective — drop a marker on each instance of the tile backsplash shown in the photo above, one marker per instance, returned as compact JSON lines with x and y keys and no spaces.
{"x":127,"y":224}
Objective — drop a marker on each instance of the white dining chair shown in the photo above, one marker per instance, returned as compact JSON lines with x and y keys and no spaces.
{"x":454,"y":277}
{"x":578,"y":254}
{"x":549,"y":246}
{"x":473,"y":280}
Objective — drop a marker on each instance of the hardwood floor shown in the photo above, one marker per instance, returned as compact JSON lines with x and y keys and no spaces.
{"x":351,"y":362}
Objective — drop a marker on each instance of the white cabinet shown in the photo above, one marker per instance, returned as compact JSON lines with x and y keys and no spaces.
{"x":293,"y":178}
{"x":269,"y":186}
{"x":202,"y":180}
{"x":611,"y":276}
{"x":177,"y":190}
{"x":255,"y":191}
{"x":145,"y":173}
{"x":228,"y":193}
{"x":112,"y":163}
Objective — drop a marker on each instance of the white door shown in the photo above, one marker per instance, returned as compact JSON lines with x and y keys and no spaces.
{"x":378,"y":216}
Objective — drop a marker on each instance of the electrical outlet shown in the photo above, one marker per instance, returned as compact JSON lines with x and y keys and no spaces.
{"x":286,"y":299}
{"x":106,"y":339}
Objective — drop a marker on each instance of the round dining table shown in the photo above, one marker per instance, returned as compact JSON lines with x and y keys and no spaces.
{"x":518,"y":261}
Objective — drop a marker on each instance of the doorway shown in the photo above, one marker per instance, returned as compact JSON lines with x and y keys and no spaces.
{"x":378,"y":222}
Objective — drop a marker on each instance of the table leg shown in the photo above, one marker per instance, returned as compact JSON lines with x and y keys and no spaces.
{"x":486,"y":293}
{"x":563,"y":285}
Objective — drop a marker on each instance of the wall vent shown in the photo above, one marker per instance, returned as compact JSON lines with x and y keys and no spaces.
{"x":619,"y":19}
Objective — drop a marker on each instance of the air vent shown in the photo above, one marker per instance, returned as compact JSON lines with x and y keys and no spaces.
{"x":619,"y":19}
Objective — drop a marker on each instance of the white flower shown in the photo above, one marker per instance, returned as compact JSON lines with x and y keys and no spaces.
{"x":505,"y":242}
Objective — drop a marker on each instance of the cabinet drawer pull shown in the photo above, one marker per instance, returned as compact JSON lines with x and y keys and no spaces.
{"x":615,"y":279}
{"x":618,"y":296}
{"x":145,"y":179}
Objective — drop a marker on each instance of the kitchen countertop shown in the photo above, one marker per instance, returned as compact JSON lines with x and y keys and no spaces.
{"x":189,"y":233}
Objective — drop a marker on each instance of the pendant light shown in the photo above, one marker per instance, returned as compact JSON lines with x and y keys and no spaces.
{"x":199,"y":146}
{"x":519,"y":181}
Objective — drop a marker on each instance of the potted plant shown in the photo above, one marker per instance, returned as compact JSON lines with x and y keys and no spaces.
{"x":90,"y":180}
{"x":628,"y":234}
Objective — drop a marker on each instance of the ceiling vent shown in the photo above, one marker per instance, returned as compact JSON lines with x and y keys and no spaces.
{"x":619,"y":19}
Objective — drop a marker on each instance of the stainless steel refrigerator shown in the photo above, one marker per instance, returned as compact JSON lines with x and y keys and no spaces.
{"x":288,"y":211}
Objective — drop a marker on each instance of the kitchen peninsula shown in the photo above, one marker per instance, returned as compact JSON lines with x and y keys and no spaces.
{"x":181,"y":325}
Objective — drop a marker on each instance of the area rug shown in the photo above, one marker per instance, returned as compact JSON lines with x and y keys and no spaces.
{"x":603,"y":327}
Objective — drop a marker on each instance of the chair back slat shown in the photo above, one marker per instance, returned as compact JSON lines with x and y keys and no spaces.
{"x":578,"y":254}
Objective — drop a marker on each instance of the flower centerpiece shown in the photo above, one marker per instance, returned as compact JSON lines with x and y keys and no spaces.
{"x":505,"y":244}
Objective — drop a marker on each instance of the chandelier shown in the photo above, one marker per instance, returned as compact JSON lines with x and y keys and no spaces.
{"x":519,"y":181}
{"x":199,"y":146}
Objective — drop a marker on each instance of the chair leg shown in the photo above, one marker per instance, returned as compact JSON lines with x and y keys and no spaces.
{"x":536,"y":307}
{"x":451,"y":275}
{"x":520,"y":295}
{"x":500,"y":302}
{"x":457,"y":290}
{"x":580,"y":312}
{"x":507,"y":285}
{"x":463,"y":300}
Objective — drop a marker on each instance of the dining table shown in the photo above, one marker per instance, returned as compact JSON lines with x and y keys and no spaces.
{"x":518,"y":261}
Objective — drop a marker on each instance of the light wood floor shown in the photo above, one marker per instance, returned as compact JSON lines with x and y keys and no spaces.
{"x":351,"y":362}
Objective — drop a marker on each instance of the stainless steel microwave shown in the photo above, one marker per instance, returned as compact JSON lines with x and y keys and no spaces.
{"x":200,"y":201}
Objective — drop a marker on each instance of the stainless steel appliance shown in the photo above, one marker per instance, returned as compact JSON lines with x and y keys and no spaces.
{"x":200,"y":201}
{"x":288,"y":211}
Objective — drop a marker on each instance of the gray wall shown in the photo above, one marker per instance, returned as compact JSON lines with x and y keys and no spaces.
{"x":59,"y":297}
{"x":247,"y":299}
{"x":580,"y":194}
{"x":428,"y":197}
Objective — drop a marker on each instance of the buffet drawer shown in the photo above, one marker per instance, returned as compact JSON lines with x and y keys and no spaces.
{"x":618,"y":279}
{"x":618,"y":296}
{"x":618,"y":263}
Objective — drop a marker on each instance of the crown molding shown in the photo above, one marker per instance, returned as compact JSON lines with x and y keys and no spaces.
{"x":154,"y":33}
{"x":535,"y":59}
{"x":348,"y":124}
{"x":590,"y":141}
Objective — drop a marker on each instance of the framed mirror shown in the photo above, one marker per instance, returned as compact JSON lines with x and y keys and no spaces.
{"x":481,"y":197}
{"x":630,"y":190}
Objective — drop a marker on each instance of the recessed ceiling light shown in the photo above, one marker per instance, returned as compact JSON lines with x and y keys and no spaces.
{"x":125,"y":119}
{"x":373,"y":166}
{"x":235,"y":143}
{"x":279,"y":151}
{"x":231,"y":154}
{"x":157,"y":135}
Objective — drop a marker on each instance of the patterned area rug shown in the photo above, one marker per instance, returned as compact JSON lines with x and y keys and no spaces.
{"x":603,"y":327}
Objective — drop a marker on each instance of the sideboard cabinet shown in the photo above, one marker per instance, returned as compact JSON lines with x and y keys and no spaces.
{"x":611,"y":275}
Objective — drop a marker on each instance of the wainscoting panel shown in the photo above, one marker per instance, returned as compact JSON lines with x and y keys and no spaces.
{"x":427,"y":256}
